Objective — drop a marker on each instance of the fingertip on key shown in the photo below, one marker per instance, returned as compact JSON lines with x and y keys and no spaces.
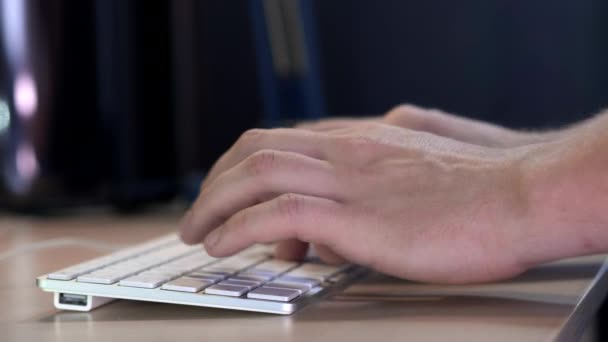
{"x":185,"y":227}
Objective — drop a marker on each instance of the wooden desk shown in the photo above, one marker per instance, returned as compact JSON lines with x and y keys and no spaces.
{"x":552,"y":302}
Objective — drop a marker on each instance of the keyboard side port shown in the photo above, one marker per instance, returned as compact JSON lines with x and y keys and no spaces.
{"x":73,"y":299}
{"x":78,"y":302}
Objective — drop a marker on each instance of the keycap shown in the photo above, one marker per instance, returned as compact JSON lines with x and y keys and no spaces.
{"x":227,"y":290}
{"x":308,"y":282}
{"x":66,"y":274}
{"x":292,"y":286}
{"x":161,"y":272}
{"x":76,"y":270}
{"x":186,"y":284}
{"x":275,"y":266}
{"x":205,"y":276}
{"x":249,"y":284}
{"x":219,"y":270}
{"x":143,"y":281}
{"x":271,"y":293}
{"x":106,"y":278}
{"x":238,"y":263}
{"x":337,"y":278}
{"x":213,"y":272}
{"x":252,"y":277}
{"x":192,"y":262}
{"x":255,"y":272}
{"x":315,"y":271}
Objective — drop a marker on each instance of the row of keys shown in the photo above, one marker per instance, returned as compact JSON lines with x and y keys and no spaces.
{"x":152,"y":269}
{"x":116,"y":272}
{"x":272,"y":279}
{"x":86,"y":267}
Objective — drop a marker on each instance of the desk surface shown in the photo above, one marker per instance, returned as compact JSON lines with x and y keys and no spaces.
{"x":555,"y":301}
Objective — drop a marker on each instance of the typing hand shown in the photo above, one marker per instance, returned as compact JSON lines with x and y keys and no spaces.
{"x":443,"y":124}
{"x":407,"y":203}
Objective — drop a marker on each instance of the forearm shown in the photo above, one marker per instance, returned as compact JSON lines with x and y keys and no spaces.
{"x":566,"y":182}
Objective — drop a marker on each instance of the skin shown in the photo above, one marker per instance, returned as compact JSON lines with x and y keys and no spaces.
{"x":418,"y":194}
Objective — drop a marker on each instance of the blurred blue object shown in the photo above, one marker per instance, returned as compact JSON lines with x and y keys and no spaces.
{"x":288,"y":62}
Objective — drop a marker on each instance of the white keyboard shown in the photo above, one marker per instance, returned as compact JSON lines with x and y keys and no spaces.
{"x":165,"y":270}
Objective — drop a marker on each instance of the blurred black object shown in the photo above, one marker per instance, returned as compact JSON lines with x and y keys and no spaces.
{"x":88,"y":90}
{"x":119,"y":101}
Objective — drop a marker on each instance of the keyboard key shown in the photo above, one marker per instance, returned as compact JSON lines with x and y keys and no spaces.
{"x":104,"y":277}
{"x":308,"y":282}
{"x":275,"y":266}
{"x":316,"y":271}
{"x":256,"y":272}
{"x":250,"y":284}
{"x":65,"y":274}
{"x":213,"y":275}
{"x":252,"y":277}
{"x":271,"y":293}
{"x":292,"y":286}
{"x":159,"y":272}
{"x":239,"y":262}
{"x":186,"y":284}
{"x":227,"y":290}
{"x":215,"y":272}
{"x":337,"y":278}
{"x":211,"y":279}
{"x":216,"y":269}
{"x":143,"y":281}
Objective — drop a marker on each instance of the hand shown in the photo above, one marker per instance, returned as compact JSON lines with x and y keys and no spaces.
{"x":410,"y":204}
{"x":443,"y":124}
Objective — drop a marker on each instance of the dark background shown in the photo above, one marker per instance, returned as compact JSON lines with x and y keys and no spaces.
{"x":523,"y":64}
{"x":147,"y":94}
{"x":520,"y":63}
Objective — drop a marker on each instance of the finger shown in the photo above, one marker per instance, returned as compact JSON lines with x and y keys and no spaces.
{"x":262,"y":176}
{"x":291,"y":249}
{"x":289,"y":216}
{"x":279,"y":139}
{"x":328,"y":255}
{"x":331,"y":124}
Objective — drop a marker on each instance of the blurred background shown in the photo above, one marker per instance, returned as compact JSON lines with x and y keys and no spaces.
{"x":129,"y":102}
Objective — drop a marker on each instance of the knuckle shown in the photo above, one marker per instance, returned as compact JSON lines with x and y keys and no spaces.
{"x":261,"y":162}
{"x":290,"y":206}
{"x":410,"y":116}
{"x":253,"y":134}
{"x":250,"y":137}
{"x":400,"y":113}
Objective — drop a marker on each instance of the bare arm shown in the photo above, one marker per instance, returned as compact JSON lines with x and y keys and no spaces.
{"x":568,"y":197}
{"x":410,"y":203}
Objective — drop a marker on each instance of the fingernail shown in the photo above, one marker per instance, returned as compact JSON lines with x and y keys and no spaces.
{"x":213,"y":238}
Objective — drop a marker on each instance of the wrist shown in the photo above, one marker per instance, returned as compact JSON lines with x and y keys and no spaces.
{"x":564,"y":206}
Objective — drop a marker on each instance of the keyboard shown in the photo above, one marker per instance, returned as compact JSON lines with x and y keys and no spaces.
{"x":166,"y":270}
